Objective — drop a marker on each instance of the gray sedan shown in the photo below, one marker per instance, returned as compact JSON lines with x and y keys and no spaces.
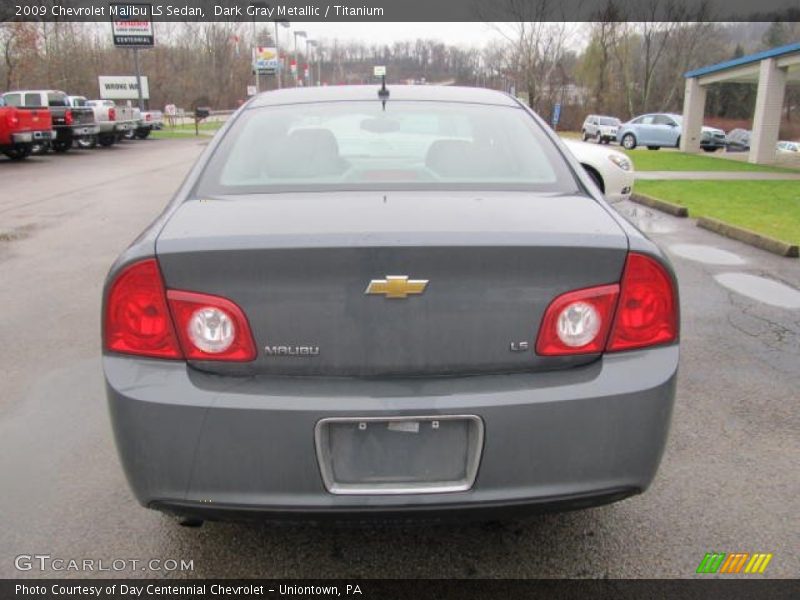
{"x":376,"y":304}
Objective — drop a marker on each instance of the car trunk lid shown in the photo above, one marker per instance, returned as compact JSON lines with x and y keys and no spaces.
{"x":299,"y":265}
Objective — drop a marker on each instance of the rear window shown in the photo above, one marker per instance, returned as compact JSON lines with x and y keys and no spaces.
{"x":57,"y":100}
{"x":360,"y":146}
{"x":608,"y":121}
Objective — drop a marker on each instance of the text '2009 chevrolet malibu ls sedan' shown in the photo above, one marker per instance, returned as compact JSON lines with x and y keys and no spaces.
{"x":374,"y":306}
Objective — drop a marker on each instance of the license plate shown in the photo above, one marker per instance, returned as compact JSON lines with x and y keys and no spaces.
{"x":399,"y":455}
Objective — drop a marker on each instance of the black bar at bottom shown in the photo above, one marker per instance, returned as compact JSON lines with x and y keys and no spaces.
{"x":733,"y":588}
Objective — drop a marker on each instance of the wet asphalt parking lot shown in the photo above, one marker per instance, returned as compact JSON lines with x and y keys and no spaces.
{"x":728,"y":481}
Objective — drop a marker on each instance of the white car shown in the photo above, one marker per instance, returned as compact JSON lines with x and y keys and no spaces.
{"x":612,"y":171}
{"x":600,"y":128}
{"x":788,"y":147}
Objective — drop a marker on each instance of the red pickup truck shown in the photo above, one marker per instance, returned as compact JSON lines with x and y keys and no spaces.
{"x":20,"y":129}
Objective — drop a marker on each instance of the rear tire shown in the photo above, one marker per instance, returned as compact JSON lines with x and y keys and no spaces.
{"x":107,"y":140}
{"x":629,"y":141}
{"x":18,"y":152}
{"x":87,"y":143}
{"x":142,"y":133}
{"x":61,"y":147}
{"x":584,"y":136}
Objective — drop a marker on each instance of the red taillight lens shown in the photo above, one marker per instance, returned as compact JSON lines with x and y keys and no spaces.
{"x":137,"y":319}
{"x":147,"y":117}
{"x":68,"y":117}
{"x":577,"y":322}
{"x":13,"y":119}
{"x":211,"y":327}
{"x":648,"y":306}
{"x":112,"y":114}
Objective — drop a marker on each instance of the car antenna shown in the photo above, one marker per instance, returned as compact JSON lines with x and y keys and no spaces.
{"x":383,"y":93}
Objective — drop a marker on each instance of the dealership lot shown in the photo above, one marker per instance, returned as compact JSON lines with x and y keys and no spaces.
{"x":727,"y":483}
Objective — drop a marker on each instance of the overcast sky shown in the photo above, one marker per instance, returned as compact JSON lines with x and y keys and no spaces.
{"x":457,"y":34}
{"x":465,"y":34}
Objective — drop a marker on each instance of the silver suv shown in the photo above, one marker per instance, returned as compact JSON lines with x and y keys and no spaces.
{"x":600,"y":128}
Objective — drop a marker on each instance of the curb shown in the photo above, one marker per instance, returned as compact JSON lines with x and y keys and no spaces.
{"x":676,"y":210}
{"x":749,"y":237}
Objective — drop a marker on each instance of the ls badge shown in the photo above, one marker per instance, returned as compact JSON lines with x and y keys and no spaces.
{"x":396,"y":286}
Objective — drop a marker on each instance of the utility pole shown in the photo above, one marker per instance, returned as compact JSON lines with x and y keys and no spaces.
{"x":309,"y":62}
{"x":282,"y":23}
{"x":302,"y":34}
{"x":255,"y":56}
{"x":138,"y":77}
{"x":319,"y":65}
{"x":278,"y":52}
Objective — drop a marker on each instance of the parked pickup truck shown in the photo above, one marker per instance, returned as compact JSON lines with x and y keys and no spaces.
{"x":20,"y":129}
{"x":152,"y":120}
{"x":69,"y":123}
{"x":115,"y":121}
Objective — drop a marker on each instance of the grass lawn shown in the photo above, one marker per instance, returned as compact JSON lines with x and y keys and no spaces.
{"x":658,"y":160}
{"x":768,"y":207}
{"x":186,"y":129}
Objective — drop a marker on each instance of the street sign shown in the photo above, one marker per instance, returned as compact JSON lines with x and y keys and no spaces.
{"x":379,"y":71}
{"x":556,"y":113}
{"x":132,"y":25}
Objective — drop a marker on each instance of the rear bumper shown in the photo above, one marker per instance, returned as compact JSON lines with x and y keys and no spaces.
{"x":83,"y":130}
{"x":111,"y":127}
{"x":218,"y":447}
{"x":23,"y":137}
{"x":29,"y":137}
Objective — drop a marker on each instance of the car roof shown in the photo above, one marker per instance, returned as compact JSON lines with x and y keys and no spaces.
{"x":36,"y":92}
{"x":338,"y":93}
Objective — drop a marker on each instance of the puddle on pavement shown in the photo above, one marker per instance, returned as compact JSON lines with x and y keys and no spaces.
{"x":706,"y":254}
{"x":644,"y":218}
{"x":761,"y":289}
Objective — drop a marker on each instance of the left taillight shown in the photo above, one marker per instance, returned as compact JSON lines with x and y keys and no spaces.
{"x":144,"y":318}
{"x":137,"y":319}
{"x":13,"y":119}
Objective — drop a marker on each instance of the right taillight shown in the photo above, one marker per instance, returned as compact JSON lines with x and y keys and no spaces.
{"x":112,"y":114}
{"x":68,"y":117}
{"x":647,"y":312}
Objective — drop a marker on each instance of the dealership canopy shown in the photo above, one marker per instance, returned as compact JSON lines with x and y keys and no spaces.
{"x":770,"y":70}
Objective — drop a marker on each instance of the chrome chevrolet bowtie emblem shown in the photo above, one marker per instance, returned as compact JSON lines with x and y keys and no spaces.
{"x":396,"y":286}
